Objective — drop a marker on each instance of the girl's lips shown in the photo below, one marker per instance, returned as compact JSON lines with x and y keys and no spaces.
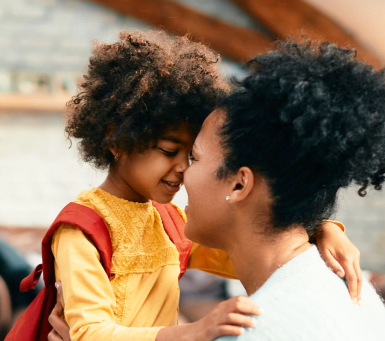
{"x":172,"y":187}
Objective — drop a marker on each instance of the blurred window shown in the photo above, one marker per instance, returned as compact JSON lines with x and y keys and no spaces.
{"x":65,"y":83}
{"x":5,"y":81}
{"x":33,"y":83}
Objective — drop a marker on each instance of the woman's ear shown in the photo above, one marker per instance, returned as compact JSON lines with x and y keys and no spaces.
{"x":114,"y":152}
{"x":242,"y":184}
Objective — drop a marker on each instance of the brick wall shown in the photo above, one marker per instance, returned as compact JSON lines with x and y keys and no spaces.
{"x":52,"y":39}
{"x":55,"y":35}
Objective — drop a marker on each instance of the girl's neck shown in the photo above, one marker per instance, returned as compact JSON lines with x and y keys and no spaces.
{"x":256,"y":256}
{"x":116,"y":186}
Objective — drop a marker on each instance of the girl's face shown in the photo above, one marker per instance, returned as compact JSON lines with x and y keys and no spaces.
{"x":156,"y":174}
{"x":207,"y":210}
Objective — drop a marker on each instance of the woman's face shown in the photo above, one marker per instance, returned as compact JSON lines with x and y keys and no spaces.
{"x":207,"y":209}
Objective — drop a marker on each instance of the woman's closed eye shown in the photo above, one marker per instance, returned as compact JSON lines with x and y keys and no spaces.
{"x":191,"y":157}
{"x":169,"y":153}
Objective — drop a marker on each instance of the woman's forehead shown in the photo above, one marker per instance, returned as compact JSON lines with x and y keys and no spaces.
{"x":213,"y":122}
{"x":208,"y":137}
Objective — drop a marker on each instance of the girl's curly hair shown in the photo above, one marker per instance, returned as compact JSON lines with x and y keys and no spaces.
{"x":310,"y":119}
{"x":137,"y":88}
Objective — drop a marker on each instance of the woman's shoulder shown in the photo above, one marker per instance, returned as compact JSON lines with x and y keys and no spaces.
{"x":305,"y":291}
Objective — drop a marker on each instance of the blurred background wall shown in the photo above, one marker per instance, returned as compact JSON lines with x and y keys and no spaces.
{"x":45,"y":46}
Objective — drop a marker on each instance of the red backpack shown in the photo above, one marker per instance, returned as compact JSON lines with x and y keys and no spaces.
{"x":33,"y":324}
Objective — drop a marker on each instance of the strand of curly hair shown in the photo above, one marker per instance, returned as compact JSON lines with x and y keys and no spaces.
{"x":137,"y":88}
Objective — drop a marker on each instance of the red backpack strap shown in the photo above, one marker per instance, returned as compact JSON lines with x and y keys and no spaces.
{"x":174,"y":224}
{"x":33,"y":324}
{"x":87,"y":220}
{"x":32,"y":279}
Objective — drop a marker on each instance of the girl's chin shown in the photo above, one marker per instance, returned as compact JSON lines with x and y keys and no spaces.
{"x":163,"y":198}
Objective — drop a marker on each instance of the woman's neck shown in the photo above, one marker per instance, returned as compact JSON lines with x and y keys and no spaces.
{"x":256,"y":256}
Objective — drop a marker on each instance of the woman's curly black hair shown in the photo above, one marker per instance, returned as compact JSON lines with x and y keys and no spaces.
{"x":137,"y":88}
{"x":310,"y":119}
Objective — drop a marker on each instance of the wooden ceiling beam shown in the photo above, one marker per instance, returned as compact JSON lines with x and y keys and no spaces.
{"x":294,"y":18}
{"x":233,"y":42}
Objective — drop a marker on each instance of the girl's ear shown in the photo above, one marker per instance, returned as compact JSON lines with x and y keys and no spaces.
{"x":112,"y":148}
{"x":242,"y":184}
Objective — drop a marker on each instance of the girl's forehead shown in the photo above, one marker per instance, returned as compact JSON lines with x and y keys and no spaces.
{"x":183,"y":135}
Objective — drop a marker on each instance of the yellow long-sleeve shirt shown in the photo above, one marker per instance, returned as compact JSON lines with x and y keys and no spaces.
{"x":143,"y":294}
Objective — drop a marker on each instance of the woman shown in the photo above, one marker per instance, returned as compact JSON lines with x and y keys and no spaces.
{"x":266,"y":169}
{"x":220,"y":199}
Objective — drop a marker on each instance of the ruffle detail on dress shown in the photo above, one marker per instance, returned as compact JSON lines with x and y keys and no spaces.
{"x":144,"y":263}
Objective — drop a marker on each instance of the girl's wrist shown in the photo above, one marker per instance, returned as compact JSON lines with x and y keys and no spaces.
{"x":335,"y":223}
{"x":329,"y":227}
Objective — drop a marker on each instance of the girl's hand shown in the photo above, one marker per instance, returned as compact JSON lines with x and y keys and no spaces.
{"x":227,"y":318}
{"x":340,"y":254}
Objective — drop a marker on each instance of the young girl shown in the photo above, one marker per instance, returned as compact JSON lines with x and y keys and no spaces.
{"x":141,"y":105}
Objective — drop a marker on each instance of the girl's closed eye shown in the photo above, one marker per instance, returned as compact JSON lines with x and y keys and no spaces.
{"x":169,"y":153}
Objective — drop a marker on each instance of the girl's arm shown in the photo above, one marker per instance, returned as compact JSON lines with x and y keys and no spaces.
{"x":341,"y":255}
{"x":87,"y":291}
{"x":225,"y":319}
{"x":214,"y":261}
{"x":336,"y":249}
{"x":89,"y":301}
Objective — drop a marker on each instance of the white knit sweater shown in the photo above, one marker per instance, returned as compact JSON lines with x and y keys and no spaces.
{"x":305,"y":301}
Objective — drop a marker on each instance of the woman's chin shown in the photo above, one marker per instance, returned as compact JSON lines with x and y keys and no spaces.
{"x":187,"y":231}
{"x":191,"y":233}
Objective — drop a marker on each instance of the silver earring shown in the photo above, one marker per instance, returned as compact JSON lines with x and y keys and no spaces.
{"x":228,"y":197}
{"x":116,"y":157}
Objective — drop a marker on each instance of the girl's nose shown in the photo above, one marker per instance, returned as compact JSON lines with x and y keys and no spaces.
{"x":182,"y":164}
